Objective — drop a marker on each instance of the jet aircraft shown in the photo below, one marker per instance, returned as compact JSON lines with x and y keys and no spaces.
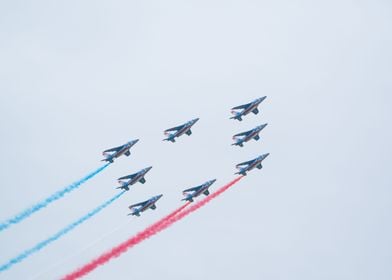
{"x":179,"y":130}
{"x":116,"y":152}
{"x":138,"y":208}
{"x":247,"y":108}
{"x":192,"y":193}
{"x":249,"y":165}
{"x":129,"y":180}
{"x":246,"y":136}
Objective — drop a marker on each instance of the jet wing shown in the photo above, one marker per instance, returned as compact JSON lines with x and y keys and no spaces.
{"x":241,"y":106}
{"x":174,"y":128}
{"x":192,"y":189}
{"x":245,"y":163}
{"x":242,"y":133}
{"x":127,"y":177}
{"x":114,"y":149}
{"x":137,"y":204}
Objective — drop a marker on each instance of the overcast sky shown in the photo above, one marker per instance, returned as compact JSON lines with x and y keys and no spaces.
{"x":78,"y":77}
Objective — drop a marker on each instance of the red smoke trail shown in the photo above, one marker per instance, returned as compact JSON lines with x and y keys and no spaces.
{"x":171,"y":220}
{"x":148,"y":232}
{"x":122,"y":248}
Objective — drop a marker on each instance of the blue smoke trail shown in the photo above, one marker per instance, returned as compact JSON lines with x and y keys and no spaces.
{"x":59,"y":194}
{"x":58,"y":235}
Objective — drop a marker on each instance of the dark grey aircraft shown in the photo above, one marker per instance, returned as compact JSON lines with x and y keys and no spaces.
{"x":129,"y":180}
{"x":247,"y":108}
{"x":116,"y":152}
{"x":247,"y":166}
{"x":138,"y":208}
{"x":246,"y":136}
{"x":191,"y":193}
{"x":179,"y":130}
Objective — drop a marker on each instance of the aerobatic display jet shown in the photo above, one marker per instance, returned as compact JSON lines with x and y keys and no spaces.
{"x":116,"y":152}
{"x":246,"y":136}
{"x":246,"y":109}
{"x":192,"y":193}
{"x":179,"y":130}
{"x":249,"y":165}
{"x":129,"y":180}
{"x":138,"y":208}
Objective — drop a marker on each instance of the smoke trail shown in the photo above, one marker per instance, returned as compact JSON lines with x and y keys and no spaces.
{"x":59,"y":194}
{"x":63,"y":261}
{"x":148,"y":232}
{"x":194,"y":207}
{"x":58,"y":235}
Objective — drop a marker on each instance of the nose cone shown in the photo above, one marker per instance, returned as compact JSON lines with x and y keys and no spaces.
{"x":135,"y":141}
{"x":262,"y":126}
{"x":195,"y":120}
{"x":147,"y":169}
{"x":158,"y":197}
{"x":212,"y":181}
{"x":266,"y":155}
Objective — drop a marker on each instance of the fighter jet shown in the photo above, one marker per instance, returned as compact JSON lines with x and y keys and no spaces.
{"x":191,"y":193}
{"x":248,"y":135}
{"x":138,"y":208}
{"x":250,"y":164}
{"x":179,"y":130}
{"x":129,"y":180}
{"x":247,"y":108}
{"x":116,"y":152}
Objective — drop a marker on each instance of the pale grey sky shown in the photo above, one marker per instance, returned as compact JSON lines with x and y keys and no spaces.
{"x":79,"y":77}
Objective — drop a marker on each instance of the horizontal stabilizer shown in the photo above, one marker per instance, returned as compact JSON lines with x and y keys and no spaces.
{"x":170,"y":138}
{"x":123,"y":188}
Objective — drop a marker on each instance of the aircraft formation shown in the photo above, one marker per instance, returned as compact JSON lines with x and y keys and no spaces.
{"x":239,"y":112}
{"x":127,"y":181}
